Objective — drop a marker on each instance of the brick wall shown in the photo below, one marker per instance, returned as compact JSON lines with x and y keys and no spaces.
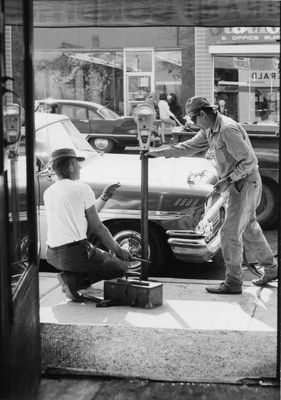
{"x":204,"y":71}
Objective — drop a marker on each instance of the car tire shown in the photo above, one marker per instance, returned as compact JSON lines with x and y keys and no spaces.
{"x":127,"y":235}
{"x":102,"y":144}
{"x":267,"y":209}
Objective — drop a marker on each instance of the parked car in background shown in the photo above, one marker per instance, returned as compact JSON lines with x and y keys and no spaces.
{"x":104,"y":129}
{"x":265,"y":140}
{"x":183,"y":220}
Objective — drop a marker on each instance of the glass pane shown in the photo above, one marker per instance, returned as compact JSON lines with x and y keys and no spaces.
{"x":106,"y":113}
{"x":247,"y":88}
{"x":168,"y":67}
{"x":95,"y":76}
{"x":139,"y":87}
{"x":94,"y":115}
{"x":139,"y":61}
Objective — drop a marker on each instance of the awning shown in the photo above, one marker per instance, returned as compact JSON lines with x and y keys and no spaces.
{"x":118,"y":13}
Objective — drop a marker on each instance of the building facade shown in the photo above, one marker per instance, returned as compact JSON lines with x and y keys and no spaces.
{"x":237,"y":68}
{"x":116,"y":67}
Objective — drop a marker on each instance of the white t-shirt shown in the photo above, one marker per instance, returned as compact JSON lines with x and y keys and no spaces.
{"x":66,"y":201}
{"x":164,"y":109}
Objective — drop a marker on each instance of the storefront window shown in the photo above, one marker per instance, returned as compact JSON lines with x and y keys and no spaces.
{"x":93,"y":76}
{"x":97,"y":76}
{"x":247,"y":88}
{"x":139,"y":61}
{"x":168,"y":72}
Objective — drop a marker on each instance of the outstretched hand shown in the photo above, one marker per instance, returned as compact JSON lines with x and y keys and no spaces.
{"x":109,"y":191}
{"x":152,"y":154}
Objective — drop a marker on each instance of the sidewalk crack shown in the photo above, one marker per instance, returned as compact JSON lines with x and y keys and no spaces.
{"x":258,"y":296}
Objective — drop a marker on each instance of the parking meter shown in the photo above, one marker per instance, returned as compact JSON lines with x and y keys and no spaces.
{"x":13,"y":119}
{"x":144,"y":116}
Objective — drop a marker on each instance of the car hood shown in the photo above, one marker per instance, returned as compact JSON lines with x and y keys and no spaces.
{"x":180,"y":175}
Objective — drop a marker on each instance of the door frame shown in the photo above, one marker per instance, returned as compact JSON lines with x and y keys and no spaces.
{"x":127,"y":75}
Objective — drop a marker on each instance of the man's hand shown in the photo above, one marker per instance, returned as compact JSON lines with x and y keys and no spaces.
{"x":153,"y":154}
{"x":222,"y":185}
{"x":108,"y":191}
{"x":124,"y":254}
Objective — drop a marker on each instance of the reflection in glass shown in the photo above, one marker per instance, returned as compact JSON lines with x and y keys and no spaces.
{"x":138,"y":61}
{"x":95,"y":76}
{"x":247,"y":88}
{"x":168,"y":72}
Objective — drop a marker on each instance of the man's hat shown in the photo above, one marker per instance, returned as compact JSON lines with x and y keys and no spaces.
{"x":65,"y":153}
{"x":196,"y":103}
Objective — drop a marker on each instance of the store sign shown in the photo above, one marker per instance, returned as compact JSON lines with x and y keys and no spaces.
{"x":264,"y":78}
{"x":51,"y":13}
{"x":243,"y":35}
{"x":259,"y":78}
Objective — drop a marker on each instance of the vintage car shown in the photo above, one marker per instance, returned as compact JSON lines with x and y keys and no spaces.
{"x":104,"y":129}
{"x":183,"y":219}
{"x":264,"y":138}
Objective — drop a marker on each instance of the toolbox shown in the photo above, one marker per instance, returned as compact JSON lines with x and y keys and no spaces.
{"x":134,"y":293}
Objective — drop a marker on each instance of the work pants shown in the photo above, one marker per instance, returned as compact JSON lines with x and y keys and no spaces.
{"x":241,"y":226}
{"x":94,"y":263}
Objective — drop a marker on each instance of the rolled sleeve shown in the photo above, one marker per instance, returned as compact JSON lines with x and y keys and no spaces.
{"x":188,"y":148}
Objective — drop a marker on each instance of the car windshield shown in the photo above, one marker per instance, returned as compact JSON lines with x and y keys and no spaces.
{"x":62,"y":134}
{"x":106,"y":113}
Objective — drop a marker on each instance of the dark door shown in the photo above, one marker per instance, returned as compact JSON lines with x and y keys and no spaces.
{"x":20,"y":361}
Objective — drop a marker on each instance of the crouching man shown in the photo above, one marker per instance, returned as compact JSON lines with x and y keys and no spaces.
{"x":71,"y":213}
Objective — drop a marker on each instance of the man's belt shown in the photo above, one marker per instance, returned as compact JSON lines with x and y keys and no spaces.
{"x":65,"y":246}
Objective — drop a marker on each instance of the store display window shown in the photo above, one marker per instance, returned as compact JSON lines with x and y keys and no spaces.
{"x":168,"y":72}
{"x":247,"y":88}
{"x":83,"y":75}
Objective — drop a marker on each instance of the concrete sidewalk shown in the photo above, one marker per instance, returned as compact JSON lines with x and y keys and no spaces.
{"x":194,"y":336}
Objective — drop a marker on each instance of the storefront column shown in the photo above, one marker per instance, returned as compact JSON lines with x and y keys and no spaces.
{"x":186,"y":42}
{"x":204,"y":71}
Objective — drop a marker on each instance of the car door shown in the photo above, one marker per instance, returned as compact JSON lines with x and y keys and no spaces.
{"x":98,"y":125}
{"x":78,"y":115}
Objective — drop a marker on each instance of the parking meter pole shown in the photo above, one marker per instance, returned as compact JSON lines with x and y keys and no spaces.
{"x":144,"y":214}
{"x":144,"y":116}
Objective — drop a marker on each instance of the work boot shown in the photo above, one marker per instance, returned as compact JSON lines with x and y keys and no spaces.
{"x":83,"y":282}
{"x":223,"y":288}
{"x":70,"y":285}
{"x":268,"y":276}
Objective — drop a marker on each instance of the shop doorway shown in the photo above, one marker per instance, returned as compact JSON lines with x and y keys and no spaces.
{"x":139,"y":76}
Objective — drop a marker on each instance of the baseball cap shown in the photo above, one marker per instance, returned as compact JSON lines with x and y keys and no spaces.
{"x":196,"y":103}
{"x":65,"y":153}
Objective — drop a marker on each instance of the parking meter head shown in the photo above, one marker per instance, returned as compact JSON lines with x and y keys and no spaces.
{"x":144,"y":116}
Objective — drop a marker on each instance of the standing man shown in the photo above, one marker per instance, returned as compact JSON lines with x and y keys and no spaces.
{"x":239,"y":175}
{"x":167,"y":123}
{"x":72,"y":215}
{"x":152,"y":100}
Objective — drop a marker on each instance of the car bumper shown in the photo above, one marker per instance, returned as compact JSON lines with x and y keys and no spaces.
{"x":191,"y":247}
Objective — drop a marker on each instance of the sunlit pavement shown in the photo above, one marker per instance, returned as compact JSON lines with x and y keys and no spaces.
{"x":193,"y":334}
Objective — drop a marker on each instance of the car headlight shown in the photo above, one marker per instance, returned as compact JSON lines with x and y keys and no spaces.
{"x":133,"y":131}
